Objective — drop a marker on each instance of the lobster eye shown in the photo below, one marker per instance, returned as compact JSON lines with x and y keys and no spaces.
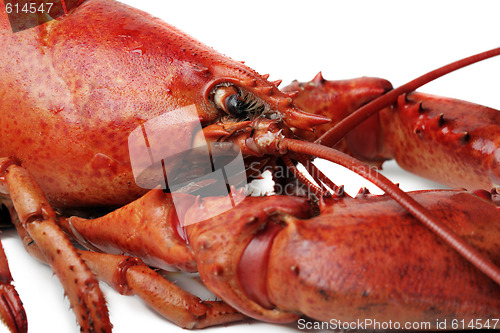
{"x":229,"y":100}
{"x":235,"y":105}
{"x":238,"y":103}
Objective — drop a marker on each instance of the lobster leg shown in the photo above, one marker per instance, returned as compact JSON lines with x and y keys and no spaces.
{"x":37,"y":217}
{"x":12,"y":312}
{"x":129,"y":276}
{"x":11,"y":308}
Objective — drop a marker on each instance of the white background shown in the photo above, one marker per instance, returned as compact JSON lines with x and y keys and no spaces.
{"x":292,"y":40}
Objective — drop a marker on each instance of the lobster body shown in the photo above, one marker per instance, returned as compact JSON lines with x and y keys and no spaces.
{"x":450,"y":141}
{"x":69,"y":107}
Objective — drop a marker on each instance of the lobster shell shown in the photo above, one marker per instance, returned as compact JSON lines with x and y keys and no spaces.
{"x":329,"y":40}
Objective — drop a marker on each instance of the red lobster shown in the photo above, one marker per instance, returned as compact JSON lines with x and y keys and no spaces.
{"x":64,"y":191}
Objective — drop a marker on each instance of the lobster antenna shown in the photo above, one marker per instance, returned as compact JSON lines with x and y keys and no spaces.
{"x":411,"y":205}
{"x":300,"y":176}
{"x":341,"y":129}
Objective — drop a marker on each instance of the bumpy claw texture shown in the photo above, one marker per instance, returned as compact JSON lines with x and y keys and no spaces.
{"x":334,"y":99}
{"x":453,"y":142}
{"x":219,"y":243}
{"x":367,"y":258}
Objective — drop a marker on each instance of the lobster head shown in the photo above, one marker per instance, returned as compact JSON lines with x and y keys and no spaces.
{"x":211,"y":106}
{"x":255,"y":114}
{"x":251,"y":118}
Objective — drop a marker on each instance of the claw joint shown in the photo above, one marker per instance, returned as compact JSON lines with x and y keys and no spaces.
{"x":120,"y":283}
